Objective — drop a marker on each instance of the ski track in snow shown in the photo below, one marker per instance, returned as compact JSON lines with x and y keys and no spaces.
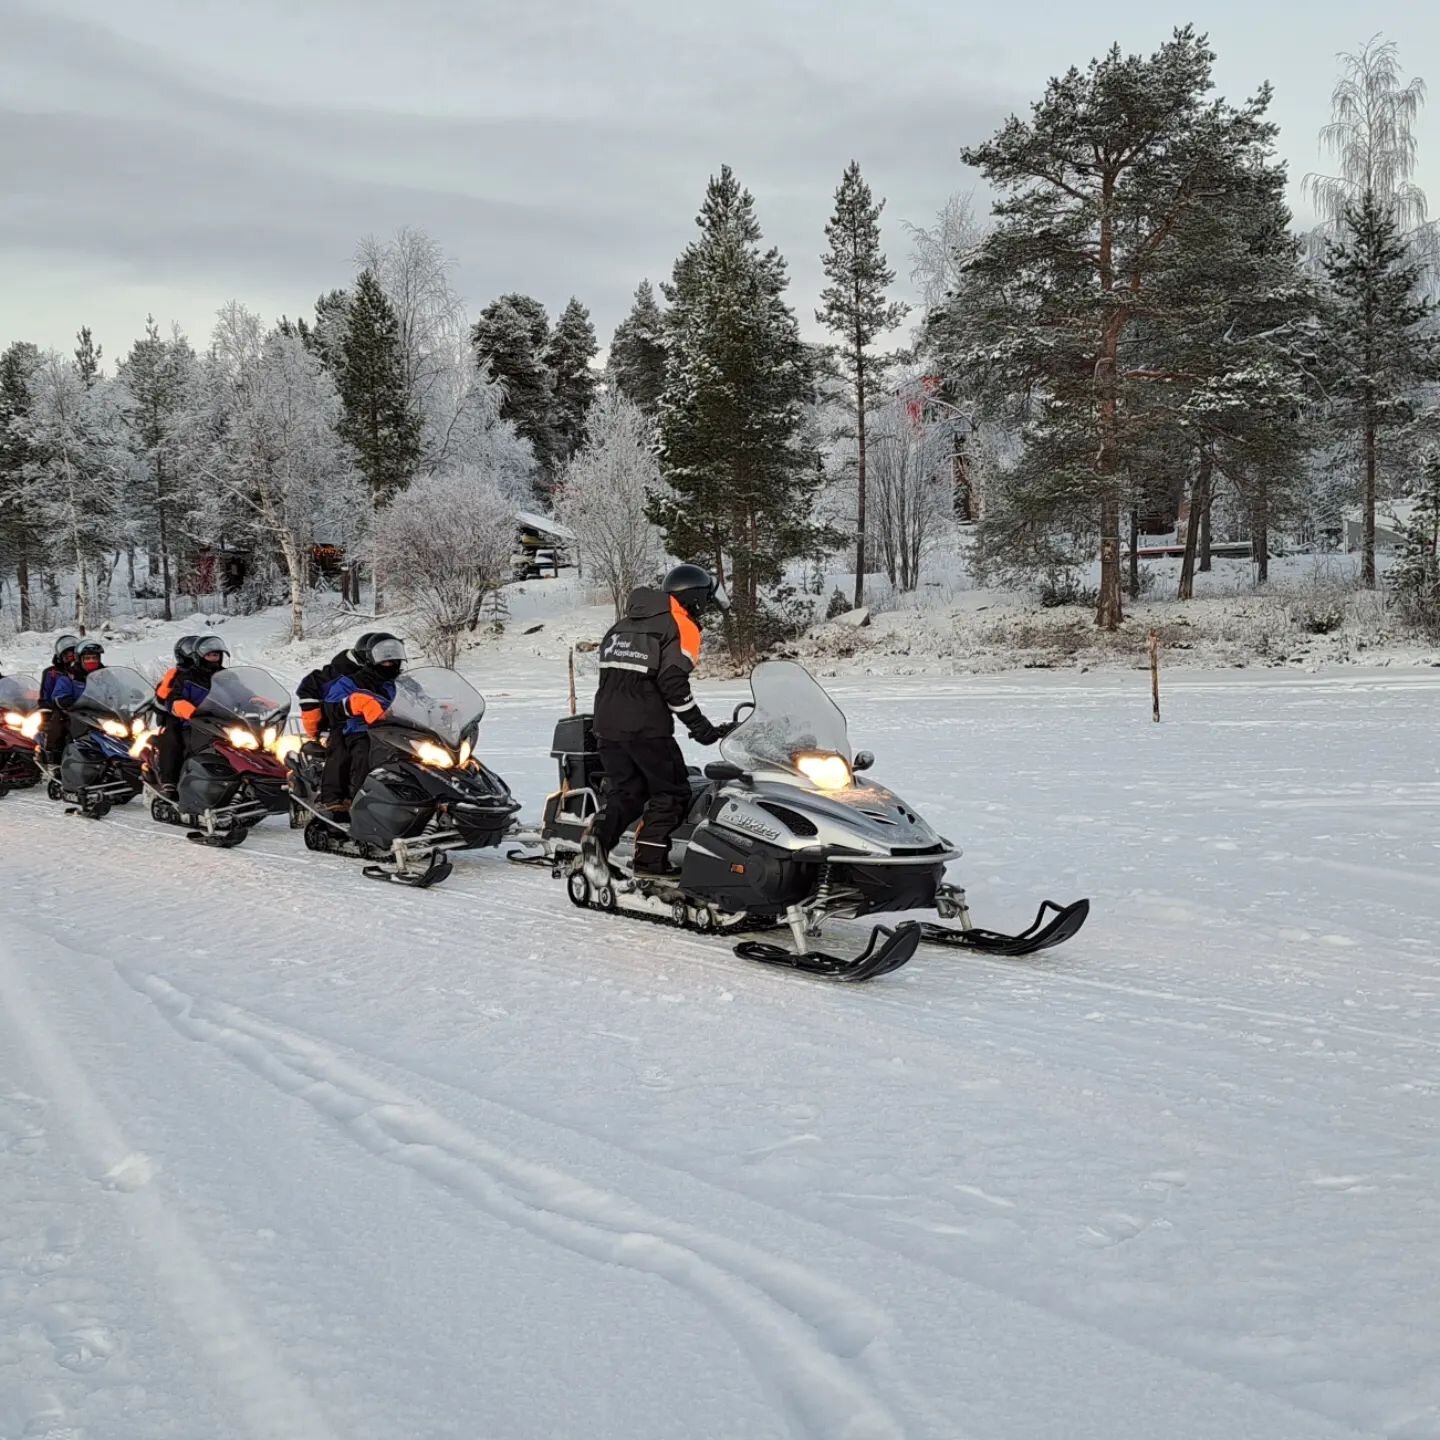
{"x":1189,"y":1156}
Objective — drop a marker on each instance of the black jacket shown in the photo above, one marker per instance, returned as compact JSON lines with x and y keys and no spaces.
{"x":646,"y":660}
{"x":310,"y":692}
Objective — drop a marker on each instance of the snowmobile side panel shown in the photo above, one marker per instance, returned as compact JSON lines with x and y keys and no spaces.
{"x":207,"y":782}
{"x":392,"y":804}
{"x":741,"y":873}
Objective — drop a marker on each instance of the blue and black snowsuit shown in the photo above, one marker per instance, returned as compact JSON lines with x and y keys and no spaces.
{"x":357,"y":701}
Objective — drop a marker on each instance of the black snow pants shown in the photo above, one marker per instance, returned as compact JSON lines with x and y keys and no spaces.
{"x":347,"y":763}
{"x":170,"y":750}
{"x":645,"y":780}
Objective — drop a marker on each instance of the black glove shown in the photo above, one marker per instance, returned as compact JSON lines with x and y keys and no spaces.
{"x":728,"y":728}
{"x":702,"y":732}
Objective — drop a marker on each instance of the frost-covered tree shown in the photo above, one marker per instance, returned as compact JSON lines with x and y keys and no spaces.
{"x":637,"y":352}
{"x":20,"y":543}
{"x":380,"y":419}
{"x":740,"y":476}
{"x":1094,"y":191}
{"x":87,"y":356}
{"x":1414,"y":579}
{"x":568,"y":358}
{"x":909,"y":463}
{"x":604,"y":494}
{"x":1371,"y":136}
{"x":160,"y":377}
{"x":1380,"y":344}
{"x":271,"y":448}
{"x":446,"y":545}
{"x":509,"y":341}
{"x":78,"y":469}
{"x":855,"y":309}
{"x":938,"y":252}
{"x":476,"y":435}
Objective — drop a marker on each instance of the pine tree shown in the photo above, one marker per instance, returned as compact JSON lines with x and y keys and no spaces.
{"x":567,"y":357}
{"x":1380,"y":344}
{"x":510,"y":339}
{"x":1095,"y":188}
{"x":160,"y":377}
{"x":855,"y":308}
{"x":739,"y":472}
{"x":637,"y":352}
{"x":379,"y":419}
{"x":1415,"y":577}
{"x":21,"y":541}
{"x":87,"y":356}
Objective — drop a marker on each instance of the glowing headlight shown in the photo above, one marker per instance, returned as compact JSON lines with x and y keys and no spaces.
{"x":114,"y":729}
{"x":30,"y":726}
{"x":271,"y":735}
{"x":241,"y":738}
{"x":14,"y":719}
{"x":427,"y":752}
{"x":464,"y":752}
{"x":137,"y":726}
{"x":142,"y":741}
{"x":827,"y":772}
{"x":285,"y":746}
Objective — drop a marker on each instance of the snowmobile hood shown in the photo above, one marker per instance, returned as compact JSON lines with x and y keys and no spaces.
{"x":866,"y":818}
{"x":646,"y":603}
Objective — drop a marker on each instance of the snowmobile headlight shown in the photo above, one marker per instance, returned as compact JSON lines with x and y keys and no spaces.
{"x":137,"y":726}
{"x":114,"y":729}
{"x":30,"y":725}
{"x":271,"y":735}
{"x":284,"y":746}
{"x":141,"y":741}
{"x":241,"y":738}
{"x":464,"y":753}
{"x":427,"y":752}
{"x":14,"y":719}
{"x":825,"y":772}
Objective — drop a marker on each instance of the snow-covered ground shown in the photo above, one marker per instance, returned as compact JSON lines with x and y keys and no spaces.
{"x":286,"y":1154}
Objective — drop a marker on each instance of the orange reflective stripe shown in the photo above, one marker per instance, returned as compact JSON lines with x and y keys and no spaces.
{"x":162,"y":690}
{"x":183,"y":708}
{"x":689,"y":631}
{"x":367,"y":707}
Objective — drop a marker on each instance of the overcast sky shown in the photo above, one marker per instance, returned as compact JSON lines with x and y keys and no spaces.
{"x":166,"y":155}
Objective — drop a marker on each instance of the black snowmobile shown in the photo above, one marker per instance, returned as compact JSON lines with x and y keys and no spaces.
{"x":781,"y":831}
{"x":99,"y":767}
{"x":427,"y":791}
{"x":234,"y":774}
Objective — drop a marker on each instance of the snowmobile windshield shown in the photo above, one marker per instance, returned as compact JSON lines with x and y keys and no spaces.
{"x":438,"y":703}
{"x":19,"y":693}
{"x":795,"y":727}
{"x":116,"y":691}
{"x":248,"y":695}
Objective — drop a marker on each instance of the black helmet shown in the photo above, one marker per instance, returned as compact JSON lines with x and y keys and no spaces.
{"x":204,"y":647}
{"x":185,"y":649}
{"x":381,"y":653}
{"x":696,"y":589}
{"x":65,"y":644}
{"x":361,"y":647}
{"x":86,"y":648}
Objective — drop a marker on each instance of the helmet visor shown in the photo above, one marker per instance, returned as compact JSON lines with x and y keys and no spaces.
{"x":387,"y":651}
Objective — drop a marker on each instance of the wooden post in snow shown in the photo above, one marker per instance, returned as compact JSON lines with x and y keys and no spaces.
{"x":1155,"y":671}
{"x":571,"y":663}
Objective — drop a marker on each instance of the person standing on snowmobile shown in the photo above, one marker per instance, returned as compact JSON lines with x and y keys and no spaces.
{"x":646,"y":660}
{"x":170,"y":746}
{"x":315,"y":719}
{"x":356,"y":702}
{"x":192,"y":684}
{"x":52,"y":726}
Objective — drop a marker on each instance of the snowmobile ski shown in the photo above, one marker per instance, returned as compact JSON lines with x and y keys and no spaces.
{"x":887,"y":951}
{"x":1040,"y":934}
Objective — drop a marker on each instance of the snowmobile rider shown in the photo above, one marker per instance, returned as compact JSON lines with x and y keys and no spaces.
{"x":52,"y":727}
{"x":170,"y":747}
{"x":310,"y":692}
{"x":192,"y":681}
{"x":646,"y":660}
{"x":357,"y":702}
{"x":70,"y":686}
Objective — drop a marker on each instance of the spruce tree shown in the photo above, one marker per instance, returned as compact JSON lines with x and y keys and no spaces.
{"x":22,"y":544}
{"x":1380,"y":343}
{"x":567,"y":357}
{"x":740,"y":474}
{"x":510,"y":339}
{"x":855,"y":308}
{"x":1095,"y":189}
{"x":378,"y":419}
{"x":87,"y":356}
{"x":1414,"y":579}
{"x":637,"y":352}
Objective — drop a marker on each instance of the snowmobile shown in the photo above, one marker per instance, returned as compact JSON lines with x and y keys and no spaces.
{"x":427,"y":791}
{"x":97,"y":769}
{"x":20,"y":719}
{"x":781,"y":831}
{"x":234,"y":774}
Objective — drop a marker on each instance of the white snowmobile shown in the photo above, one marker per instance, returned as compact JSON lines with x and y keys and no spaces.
{"x":781,"y":831}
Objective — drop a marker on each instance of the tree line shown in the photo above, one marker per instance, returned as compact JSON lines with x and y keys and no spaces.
{"x":1136,"y":330}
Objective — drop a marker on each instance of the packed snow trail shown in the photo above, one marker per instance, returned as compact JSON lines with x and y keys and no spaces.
{"x":285,"y":1152}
